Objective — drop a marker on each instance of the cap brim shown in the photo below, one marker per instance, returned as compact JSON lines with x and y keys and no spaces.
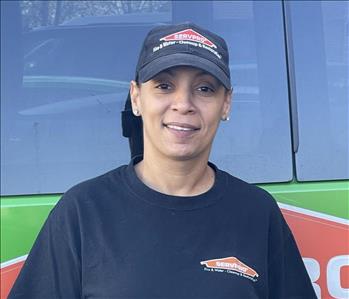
{"x":182,"y":59}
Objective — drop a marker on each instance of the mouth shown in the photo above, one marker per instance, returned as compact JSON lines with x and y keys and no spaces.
{"x":182,"y":127}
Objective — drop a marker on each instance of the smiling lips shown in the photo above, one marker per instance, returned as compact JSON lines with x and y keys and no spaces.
{"x":181,"y":127}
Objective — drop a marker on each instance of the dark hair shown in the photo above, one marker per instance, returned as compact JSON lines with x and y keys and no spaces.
{"x":132,"y":128}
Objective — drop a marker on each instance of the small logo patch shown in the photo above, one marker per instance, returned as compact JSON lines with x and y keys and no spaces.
{"x":230,"y":265}
{"x":189,"y":35}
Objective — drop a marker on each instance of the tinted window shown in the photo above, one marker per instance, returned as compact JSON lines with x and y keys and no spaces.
{"x":68,"y":78}
{"x":255,"y":144}
{"x":320,"y":48}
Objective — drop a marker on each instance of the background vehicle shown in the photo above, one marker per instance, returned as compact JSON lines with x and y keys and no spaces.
{"x":65,"y":68}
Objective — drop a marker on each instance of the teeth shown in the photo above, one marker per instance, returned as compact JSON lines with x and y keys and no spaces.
{"x":179,"y":128}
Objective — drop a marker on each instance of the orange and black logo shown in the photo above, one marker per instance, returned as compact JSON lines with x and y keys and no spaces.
{"x":230,"y":265}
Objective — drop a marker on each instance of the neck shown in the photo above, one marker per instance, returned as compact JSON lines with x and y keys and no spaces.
{"x":175,"y":177}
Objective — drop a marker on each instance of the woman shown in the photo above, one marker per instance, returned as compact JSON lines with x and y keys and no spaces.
{"x":170,"y":224}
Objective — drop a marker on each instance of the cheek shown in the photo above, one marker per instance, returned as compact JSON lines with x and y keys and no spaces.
{"x":212,"y":121}
{"x":212,"y":115}
{"x":148,"y":105}
{"x":152,"y":111}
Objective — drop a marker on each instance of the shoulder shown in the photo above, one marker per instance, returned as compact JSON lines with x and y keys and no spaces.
{"x":248,"y":194}
{"x":91,"y":194}
{"x":97,"y":185}
{"x":252,"y":203}
{"x":259,"y":207}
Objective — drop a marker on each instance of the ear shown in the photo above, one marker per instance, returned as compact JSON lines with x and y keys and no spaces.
{"x":135,"y":98}
{"x":227,"y":103}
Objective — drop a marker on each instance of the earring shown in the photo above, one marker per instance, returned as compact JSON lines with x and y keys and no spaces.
{"x":136,"y":112}
{"x":225,"y":118}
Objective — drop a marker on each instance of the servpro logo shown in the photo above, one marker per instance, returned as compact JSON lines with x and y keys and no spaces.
{"x":230,"y":265}
{"x":189,"y":35}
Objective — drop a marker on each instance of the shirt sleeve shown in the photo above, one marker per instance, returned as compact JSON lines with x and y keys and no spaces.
{"x":288,"y":278}
{"x":53,"y":267}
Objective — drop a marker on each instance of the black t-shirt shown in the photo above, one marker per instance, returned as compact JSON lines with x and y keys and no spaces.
{"x":114,"y":237}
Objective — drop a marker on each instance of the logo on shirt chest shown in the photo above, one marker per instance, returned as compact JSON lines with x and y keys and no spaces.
{"x":230,"y":265}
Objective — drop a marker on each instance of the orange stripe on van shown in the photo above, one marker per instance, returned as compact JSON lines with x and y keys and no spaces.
{"x":8,"y":277}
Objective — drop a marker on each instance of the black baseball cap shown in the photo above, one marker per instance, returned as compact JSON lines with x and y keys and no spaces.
{"x":184,"y":44}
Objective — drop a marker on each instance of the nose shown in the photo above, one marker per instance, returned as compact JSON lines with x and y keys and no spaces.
{"x":183,"y":101}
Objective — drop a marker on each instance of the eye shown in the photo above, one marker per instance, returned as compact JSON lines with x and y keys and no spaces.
{"x":206,"y":89}
{"x":163,"y":86}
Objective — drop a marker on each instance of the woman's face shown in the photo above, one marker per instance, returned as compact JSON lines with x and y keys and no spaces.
{"x":181,"y":109}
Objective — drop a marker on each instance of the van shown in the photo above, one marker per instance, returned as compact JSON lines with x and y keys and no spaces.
{"x":66,"y":68}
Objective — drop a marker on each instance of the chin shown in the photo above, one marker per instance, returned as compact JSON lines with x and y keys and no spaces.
{"x":182,"y":154}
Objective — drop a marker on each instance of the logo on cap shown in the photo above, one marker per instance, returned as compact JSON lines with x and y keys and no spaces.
{"x":189,"y":35}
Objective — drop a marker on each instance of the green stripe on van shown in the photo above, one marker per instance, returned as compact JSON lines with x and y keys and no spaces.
{"x":330,"y":198}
